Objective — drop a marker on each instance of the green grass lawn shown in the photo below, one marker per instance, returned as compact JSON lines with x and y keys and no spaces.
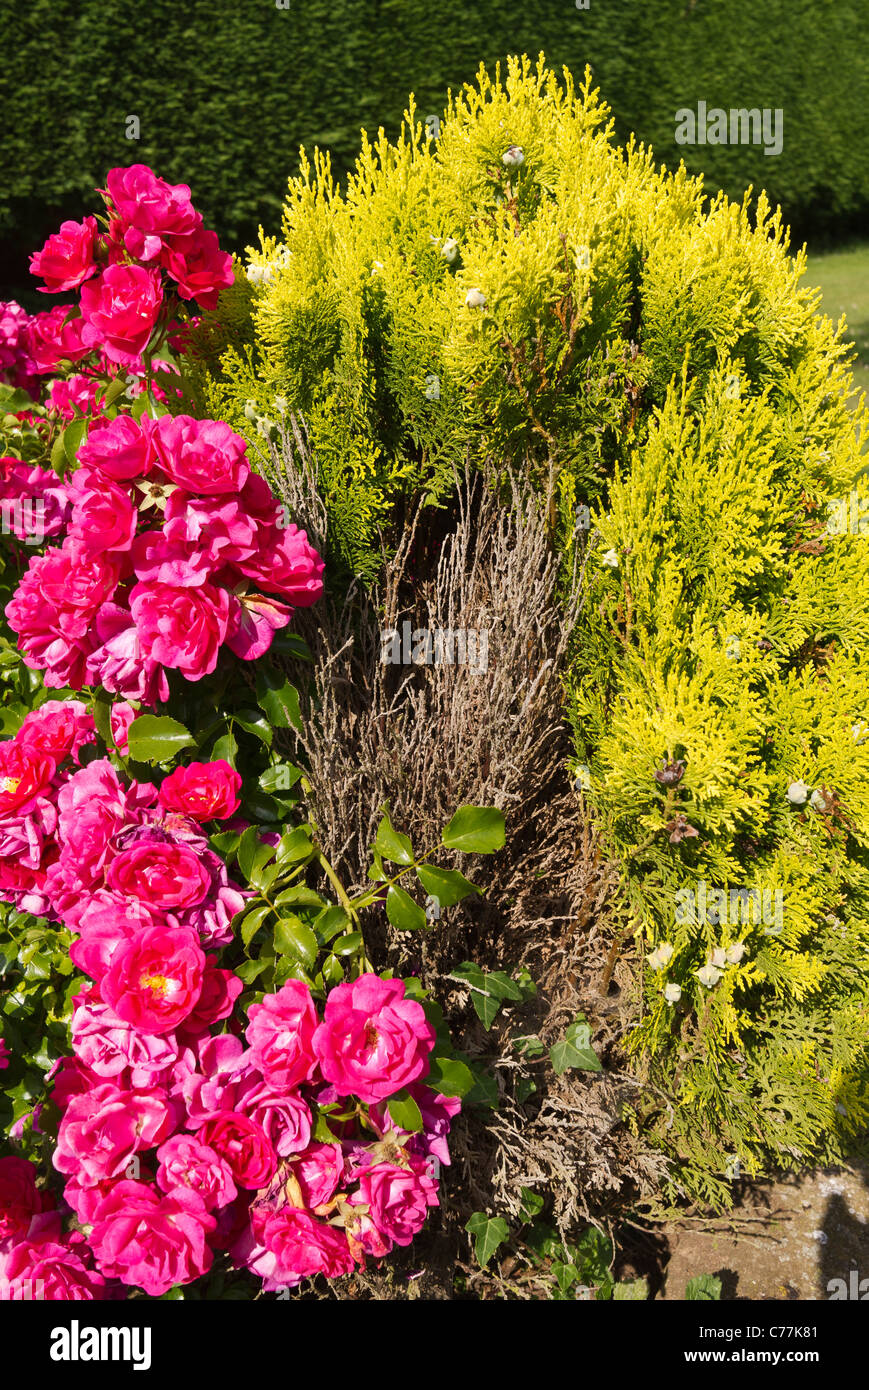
{"x":843,"y":278}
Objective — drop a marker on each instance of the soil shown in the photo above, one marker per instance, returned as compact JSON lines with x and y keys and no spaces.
{"x":786,"y":1240}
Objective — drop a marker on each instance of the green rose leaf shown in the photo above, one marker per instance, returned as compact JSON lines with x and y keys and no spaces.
{"x":449,"y":1077}
{"x":347,"y":945}
{"x":404,"y":1112}
{"x":252,"y":921}
{"x":157,"y":739}
{"x":403,"y":913}
{"x":448,"y":886}
{"x":279,"y":699}
{"x":476,"y":830}
{"x":391,"y":845}
{"x":293,"y":938}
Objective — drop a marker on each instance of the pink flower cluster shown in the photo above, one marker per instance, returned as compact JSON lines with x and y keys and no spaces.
{"x":177,"y":1138}
{"x":128,"y":279}
{"x":37,"y":1260}
{"x":168,"y":529}
{"x":177,"y":1141}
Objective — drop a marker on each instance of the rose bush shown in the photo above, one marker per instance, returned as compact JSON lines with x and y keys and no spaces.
{"x":187,"y":1114}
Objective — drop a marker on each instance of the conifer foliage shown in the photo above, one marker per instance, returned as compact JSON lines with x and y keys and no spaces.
{"x":521,"y":290}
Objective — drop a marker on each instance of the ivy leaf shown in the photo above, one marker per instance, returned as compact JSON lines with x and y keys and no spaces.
{"x":489,"y":1234}
{"x":476,"y":830}
{"x":403,"y":913}
{"x":404,"y":1112}
{"x":156,"y":739}
{"x":447,"y":885}
{"x":532,"y":1204}
{"x":575,"y":1049}
{"x":391,"y":845}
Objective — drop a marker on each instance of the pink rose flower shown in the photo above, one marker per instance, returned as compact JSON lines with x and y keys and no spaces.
{"x":319,"y":1170}
{"x":55,"y":337}
{"x":51,"y":1271}
{"x":67,"y":258}
{"x":220,"y":989}
{"x":119,"y":662}
{"x":155,"y":979}
{"x":181,"y":628}
{"x":284,"y":1118}
{"x":286,"y":564}
{"x":397,"y":1200}
{"x":59,"y":729}
{"x":150,"y":1240}
{"x":162,"y":875}
{"x":24,"y":773}
{"x":5,"y":1054}
{"x":61,"y":593}
{"x":256,"y":619}
{"x":110,"y":1047}
{"x":223,"y":1077}
{"x":205,"y":791}
{"x":102,"y":1129}
{"x":103,"y":516}
{"x":43,"y":500}
{"x":373,"y":1041}
{"x":120,"y":308}
{"x":162,"y":559}
{"x":93,"y":808}
{"x":78,"y":395}
{"x":281,"y":1033}
{"x":203,"y":456}
{"x":20,"y":1199}
{"x":201,"y":269}
{"x":291,"y":1245}
{"x":13,"y":335}
{"x":186,"y":1162}
{"x":243,"y":1144}
{"x":437,"y":1113}
{"x":153,"y":213}
{"x":119,"y":449}
{"x":122,"y":717}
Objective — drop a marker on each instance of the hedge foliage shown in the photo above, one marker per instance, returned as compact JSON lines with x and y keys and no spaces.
{"x":226,"y":94}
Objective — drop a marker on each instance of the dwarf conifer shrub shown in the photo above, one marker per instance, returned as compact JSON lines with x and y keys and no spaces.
{"x":522,"y":291}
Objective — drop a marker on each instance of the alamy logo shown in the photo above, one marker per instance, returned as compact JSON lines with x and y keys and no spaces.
{"x":855,"y":1288}
{"x":739,"y":126}
{"x":76,"y":1343}
{"x":739,"y":906}
{"x":23,"y":517}
{"x":424,"y":646}
{"x":848,"y":516}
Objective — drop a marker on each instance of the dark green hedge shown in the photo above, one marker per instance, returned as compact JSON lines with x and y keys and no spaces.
{"x":226,"y":91}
